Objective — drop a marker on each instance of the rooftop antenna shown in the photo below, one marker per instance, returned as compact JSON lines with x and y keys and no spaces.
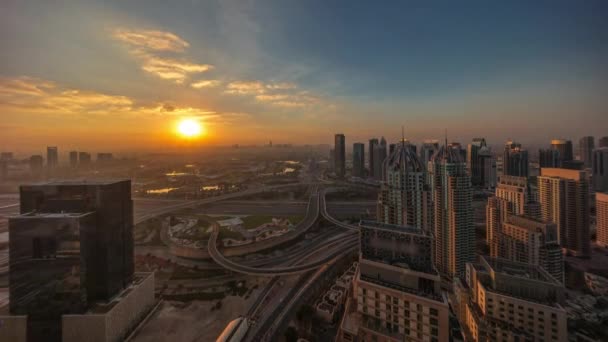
{"x":402,"y":136}
{"x":446,"y":138}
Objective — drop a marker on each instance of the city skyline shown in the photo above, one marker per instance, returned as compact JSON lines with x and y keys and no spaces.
{"x":123,"y":74}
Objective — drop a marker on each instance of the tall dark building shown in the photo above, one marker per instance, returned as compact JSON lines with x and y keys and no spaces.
{"x":340,"y":155}
{"x":380,"y":155}
{"x":373,"y":143}
{"x":474,"y":161}
{"x":566,"y":151}
{"x":586,"y":146}
{"x":109,"y":248}
{"x":603,"y":142}
{"x":73,"y":158}
{"x":515,"y":160}
{"x":84,"y":158}
{"x":428,"y":148}
{"x":52,"y":157}
{"x":36,"y":164}
{"x":358,"y":160}
{"x":600,"y":169}
{"x":549,"y":158}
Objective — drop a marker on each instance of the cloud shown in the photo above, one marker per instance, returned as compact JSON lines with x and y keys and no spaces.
{"x":40,"y":97}
{"x":146,"y":46}
{"x":205,"y":84}
{"x":172,"y":69}
{"x":245,"y":87}
{"x":151,"y":40}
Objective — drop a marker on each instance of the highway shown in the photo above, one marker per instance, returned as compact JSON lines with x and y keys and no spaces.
{"x":316,"y":205}
{"x":323,"y":206}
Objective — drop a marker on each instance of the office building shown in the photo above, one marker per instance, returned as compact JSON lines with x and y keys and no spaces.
{"x":404,"y":195}
{"x":428,"y":149}
{"x":396,"y":293}
{"x":586,"y":146}
{"x":514,"y":160}
{"x":52,"y":157}
{"x":104,"y":157}
{"x":488,"y":176}
{"x":530,"y":241}
{"x":564,"y":200}
{"x":373,"y":144}
{"x":601,"y":209}
{"x":359,"y":160}
{"x":73,"y":159}
{"x":36,"y":165}
{"x":71,"y":270}
{"x":565,"y":149}
{"x":549,"y":158}
{"x":340,"y":155}
{"x":474,"y":162}
{"x":380,"y":151}
{"x":453,"y":215}
{"x":84,"y":158}
{"x":603,"y":142}
{"x":391,"y":148}
{"x":600,"y":169}
{"x":501,"y":300}
{"x":332,"y":159}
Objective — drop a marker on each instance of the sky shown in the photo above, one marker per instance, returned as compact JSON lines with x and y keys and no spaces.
{"x":118,"y":75}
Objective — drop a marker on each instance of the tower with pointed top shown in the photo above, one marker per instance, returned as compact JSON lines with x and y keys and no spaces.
{"x":453,"y":215}
{"x":404,"y":197}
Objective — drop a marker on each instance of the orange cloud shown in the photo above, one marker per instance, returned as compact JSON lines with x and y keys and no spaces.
{"x":245,"y":87}
{"x":151,"y":40}
{"x":145,"y":45}
{"x":205,"y":84}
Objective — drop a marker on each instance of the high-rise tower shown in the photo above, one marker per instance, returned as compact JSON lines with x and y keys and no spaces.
{"x":358,"y":160}
{"x":340,"y":155}
{"x":586,"y":146}
{"x":453,"y":215}
{"x":515,"y":160}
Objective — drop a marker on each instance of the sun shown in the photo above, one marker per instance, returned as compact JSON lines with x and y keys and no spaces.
{"x":189,"y":128}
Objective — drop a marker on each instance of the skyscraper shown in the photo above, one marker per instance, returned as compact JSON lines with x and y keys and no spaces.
{"x":373,"y":143}
{"x":474,"y":162}
{"x":601,"y":209}
{"x":428,"y":149}
{"x":453,"y":215}
{"x":565,"y":149}
{"x":603,"y":142}
{"x":396,"y":289}
{"x":549,"y":158}
{"x":515,"y":160}
{"x":404,"y":196}
{"x":586,"y":146}
{"x":52,"y":157}
{"x":84,"y":158}
{"x":380,"y":152}
{"x":358,"y":160}
{"x":340,"y":155}
{"x":73,"y":158}
{"x":36,"y":165}
{"x":600,"y":169}
{"x":502,"y":300}
{"x":71,"y":253}
{"x":488,"y":177}
{"x":564,"y":200}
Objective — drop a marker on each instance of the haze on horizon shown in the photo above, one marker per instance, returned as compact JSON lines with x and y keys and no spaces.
{"x":85,"y":74}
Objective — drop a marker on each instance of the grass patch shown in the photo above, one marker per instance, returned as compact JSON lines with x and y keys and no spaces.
{"x":254,"y":221}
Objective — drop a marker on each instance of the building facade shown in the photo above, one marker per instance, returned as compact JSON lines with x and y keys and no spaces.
{"x":52,"y":157}
{"x":474,"y":160}
{"x":564,"y":200}
{"x":404,"y":195}
{"x":358,"y":160}
{"x":565,"y":149}
{"x":340,"y":155}
{"x":600,"y":169}
{"x":373,"y":145}
{"x":514,"y":160}
{"x":396,"y":293}
{"x":601,"y":209}
{"x":453,"y":215}
{"x":501,"y":300}
{"x":548,"y":158}
{"x":586,"y":146}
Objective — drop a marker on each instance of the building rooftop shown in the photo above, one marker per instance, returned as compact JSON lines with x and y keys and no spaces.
{"x":562,"y":173}
{"x":77,"y":182}
{"x":38,"y":215}
{"x":518,"y":270}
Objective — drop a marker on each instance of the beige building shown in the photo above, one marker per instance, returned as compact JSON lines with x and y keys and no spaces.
{"x":601,"y":209}
{"x":530,"y":241}
{"x":564,"y":200}
{"x":501,"y":300}
{"x":396,"y":293}
{"x":515,"y":191}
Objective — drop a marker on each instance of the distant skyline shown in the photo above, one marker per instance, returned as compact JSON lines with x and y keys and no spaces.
{"x":116,"y":76}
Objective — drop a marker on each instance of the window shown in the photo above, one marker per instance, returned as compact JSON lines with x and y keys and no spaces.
{"x":433,"y":312}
